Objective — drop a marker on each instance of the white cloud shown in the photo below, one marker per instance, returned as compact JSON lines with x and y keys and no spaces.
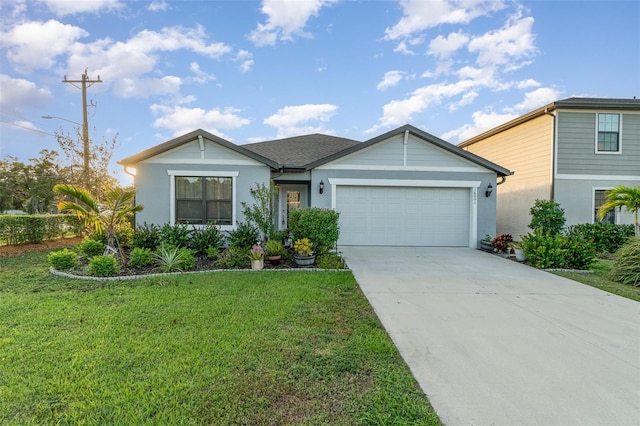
{"x":288,"y":120}
{"x":245,"y":58}
{"x":390,"y":79}
{"x":515,"y":41}
{"x":285,"y":19}
{"x":182,"y":120}
{"x":420,"y":15}
{"x":37,"y":44}
{"x":400,"y":112}
{"x":200,"y":76}
{"x":18,"y":93}
{"x":123,"y":64}
{"x":158,"y":6}
{"x":143,"y":87}
{"x":444,"y":47}
{"x":538,"y":98}
{"x":525,"y":84}
{"x":72,"y":7}
{"x":482,"y":121}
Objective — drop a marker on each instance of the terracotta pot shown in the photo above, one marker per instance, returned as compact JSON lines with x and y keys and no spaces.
{"x":275,"y":260}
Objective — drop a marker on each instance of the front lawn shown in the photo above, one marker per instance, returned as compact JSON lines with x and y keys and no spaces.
{"x":599,"y":279}
{"x":212,"y":348}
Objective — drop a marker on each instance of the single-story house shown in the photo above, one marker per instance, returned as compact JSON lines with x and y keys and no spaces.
{"x":571,"y":151}
{"x":402,"y":188}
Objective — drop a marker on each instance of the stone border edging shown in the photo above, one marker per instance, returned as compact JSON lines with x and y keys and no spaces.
{"x":577,"y":271}
{"x":166,"y":274}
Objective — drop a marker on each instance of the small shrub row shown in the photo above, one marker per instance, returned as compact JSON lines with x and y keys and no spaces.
{"x":607,"y":238}
{"x":546,"y":250}
{"x":179,"y":235}
{"x":25,"y":228}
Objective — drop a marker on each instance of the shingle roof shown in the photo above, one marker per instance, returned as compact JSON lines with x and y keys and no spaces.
{"x":300,"y":151}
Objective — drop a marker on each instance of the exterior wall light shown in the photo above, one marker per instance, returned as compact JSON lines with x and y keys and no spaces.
{"x":321,"y":186}
{"x":489,"y":190}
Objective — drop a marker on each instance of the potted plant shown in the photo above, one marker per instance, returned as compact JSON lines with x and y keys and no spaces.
{"x":303,"y":252}
{"x":517,"y":249}
{"x":485,"y":244}
{"x":501,"y":243}
{"x":274,"y":250}
{"x":256,"y":254}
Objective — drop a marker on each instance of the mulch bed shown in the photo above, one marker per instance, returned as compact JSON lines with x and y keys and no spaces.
{"x":45,"y":245}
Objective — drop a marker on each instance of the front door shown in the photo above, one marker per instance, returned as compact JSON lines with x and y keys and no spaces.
{"x":292,"y":196}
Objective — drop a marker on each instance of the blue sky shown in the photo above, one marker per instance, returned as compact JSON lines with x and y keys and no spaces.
{"x":250,"y":71}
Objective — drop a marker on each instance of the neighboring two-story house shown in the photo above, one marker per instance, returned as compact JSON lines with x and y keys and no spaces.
{"x":571,"y":151}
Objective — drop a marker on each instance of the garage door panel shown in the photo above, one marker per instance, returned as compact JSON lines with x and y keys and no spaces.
{"x":403,"y":216}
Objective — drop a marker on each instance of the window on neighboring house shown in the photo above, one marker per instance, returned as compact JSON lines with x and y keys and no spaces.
{"x":599,"y":200}
{"x":608,"y":133}
{"x":200,"y":200}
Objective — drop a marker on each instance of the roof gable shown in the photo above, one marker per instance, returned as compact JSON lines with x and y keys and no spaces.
{"x":192,"y":146}
{"x":423,"y":150}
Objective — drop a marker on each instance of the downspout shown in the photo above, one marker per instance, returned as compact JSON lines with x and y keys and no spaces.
{"x":552,"y":187}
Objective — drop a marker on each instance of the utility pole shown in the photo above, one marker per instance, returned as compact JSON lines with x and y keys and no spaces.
{"x":85,"y":83}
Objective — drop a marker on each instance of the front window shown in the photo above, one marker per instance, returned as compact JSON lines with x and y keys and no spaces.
{"x":608,"y":133}
{"x":200,"y":200}
{"x":599,"y":199}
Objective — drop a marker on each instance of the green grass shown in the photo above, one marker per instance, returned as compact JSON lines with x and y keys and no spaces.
{"x":217,"y":348}
{"x":599,"y":279}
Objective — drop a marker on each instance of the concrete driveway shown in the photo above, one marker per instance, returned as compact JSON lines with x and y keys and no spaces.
{"x":493,"y":342}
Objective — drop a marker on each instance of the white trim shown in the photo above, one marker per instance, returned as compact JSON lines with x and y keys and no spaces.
{"x":202,"y":161}
{"x":405,"y":168}
{"x":619,"y":151}
{"x":202,"y":173}
{"x":472,"y":185}
{"x":597,"y":177}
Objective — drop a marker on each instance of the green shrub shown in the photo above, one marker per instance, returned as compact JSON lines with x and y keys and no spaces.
{"x":232,"y":258}
{"x":607,"y":238}
{"x":63,"y":260}
{"x":171,"y":258}
{"x":317,"y":224}
{"x":202,"y":239}
{"x":244,"y":236}
{"x":140,"y":257}
{"x":103,"y":266}
{"x":544,"y":249}
{"x":626,"y":268}
{"x":146,"y":236}
{"x":91,"y":248}
{"x":548,"y":216}
{"x":330,"y":261}
{"x":579,"y":253}
{"x":24,"y":228}
{"x":177,"y":235}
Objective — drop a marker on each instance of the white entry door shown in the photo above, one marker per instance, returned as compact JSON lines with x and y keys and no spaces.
{"x":292,"y":196}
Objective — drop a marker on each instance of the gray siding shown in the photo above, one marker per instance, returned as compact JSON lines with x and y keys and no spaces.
{"x":576,"y":132}
{"x":153,"y":187}
{"x":576,"y":198}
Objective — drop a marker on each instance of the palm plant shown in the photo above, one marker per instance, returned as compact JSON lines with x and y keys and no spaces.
{"x":623,"y":196}
{"x":106,"y":216}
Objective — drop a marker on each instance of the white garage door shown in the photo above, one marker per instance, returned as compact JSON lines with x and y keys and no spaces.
{"x":399,"y":216}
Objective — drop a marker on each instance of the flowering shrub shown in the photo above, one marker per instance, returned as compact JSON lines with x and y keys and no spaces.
{"x":256,"y":252}
{"x":501,"y":242}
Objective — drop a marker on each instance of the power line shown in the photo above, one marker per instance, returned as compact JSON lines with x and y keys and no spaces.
{"x":27,"y":128}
